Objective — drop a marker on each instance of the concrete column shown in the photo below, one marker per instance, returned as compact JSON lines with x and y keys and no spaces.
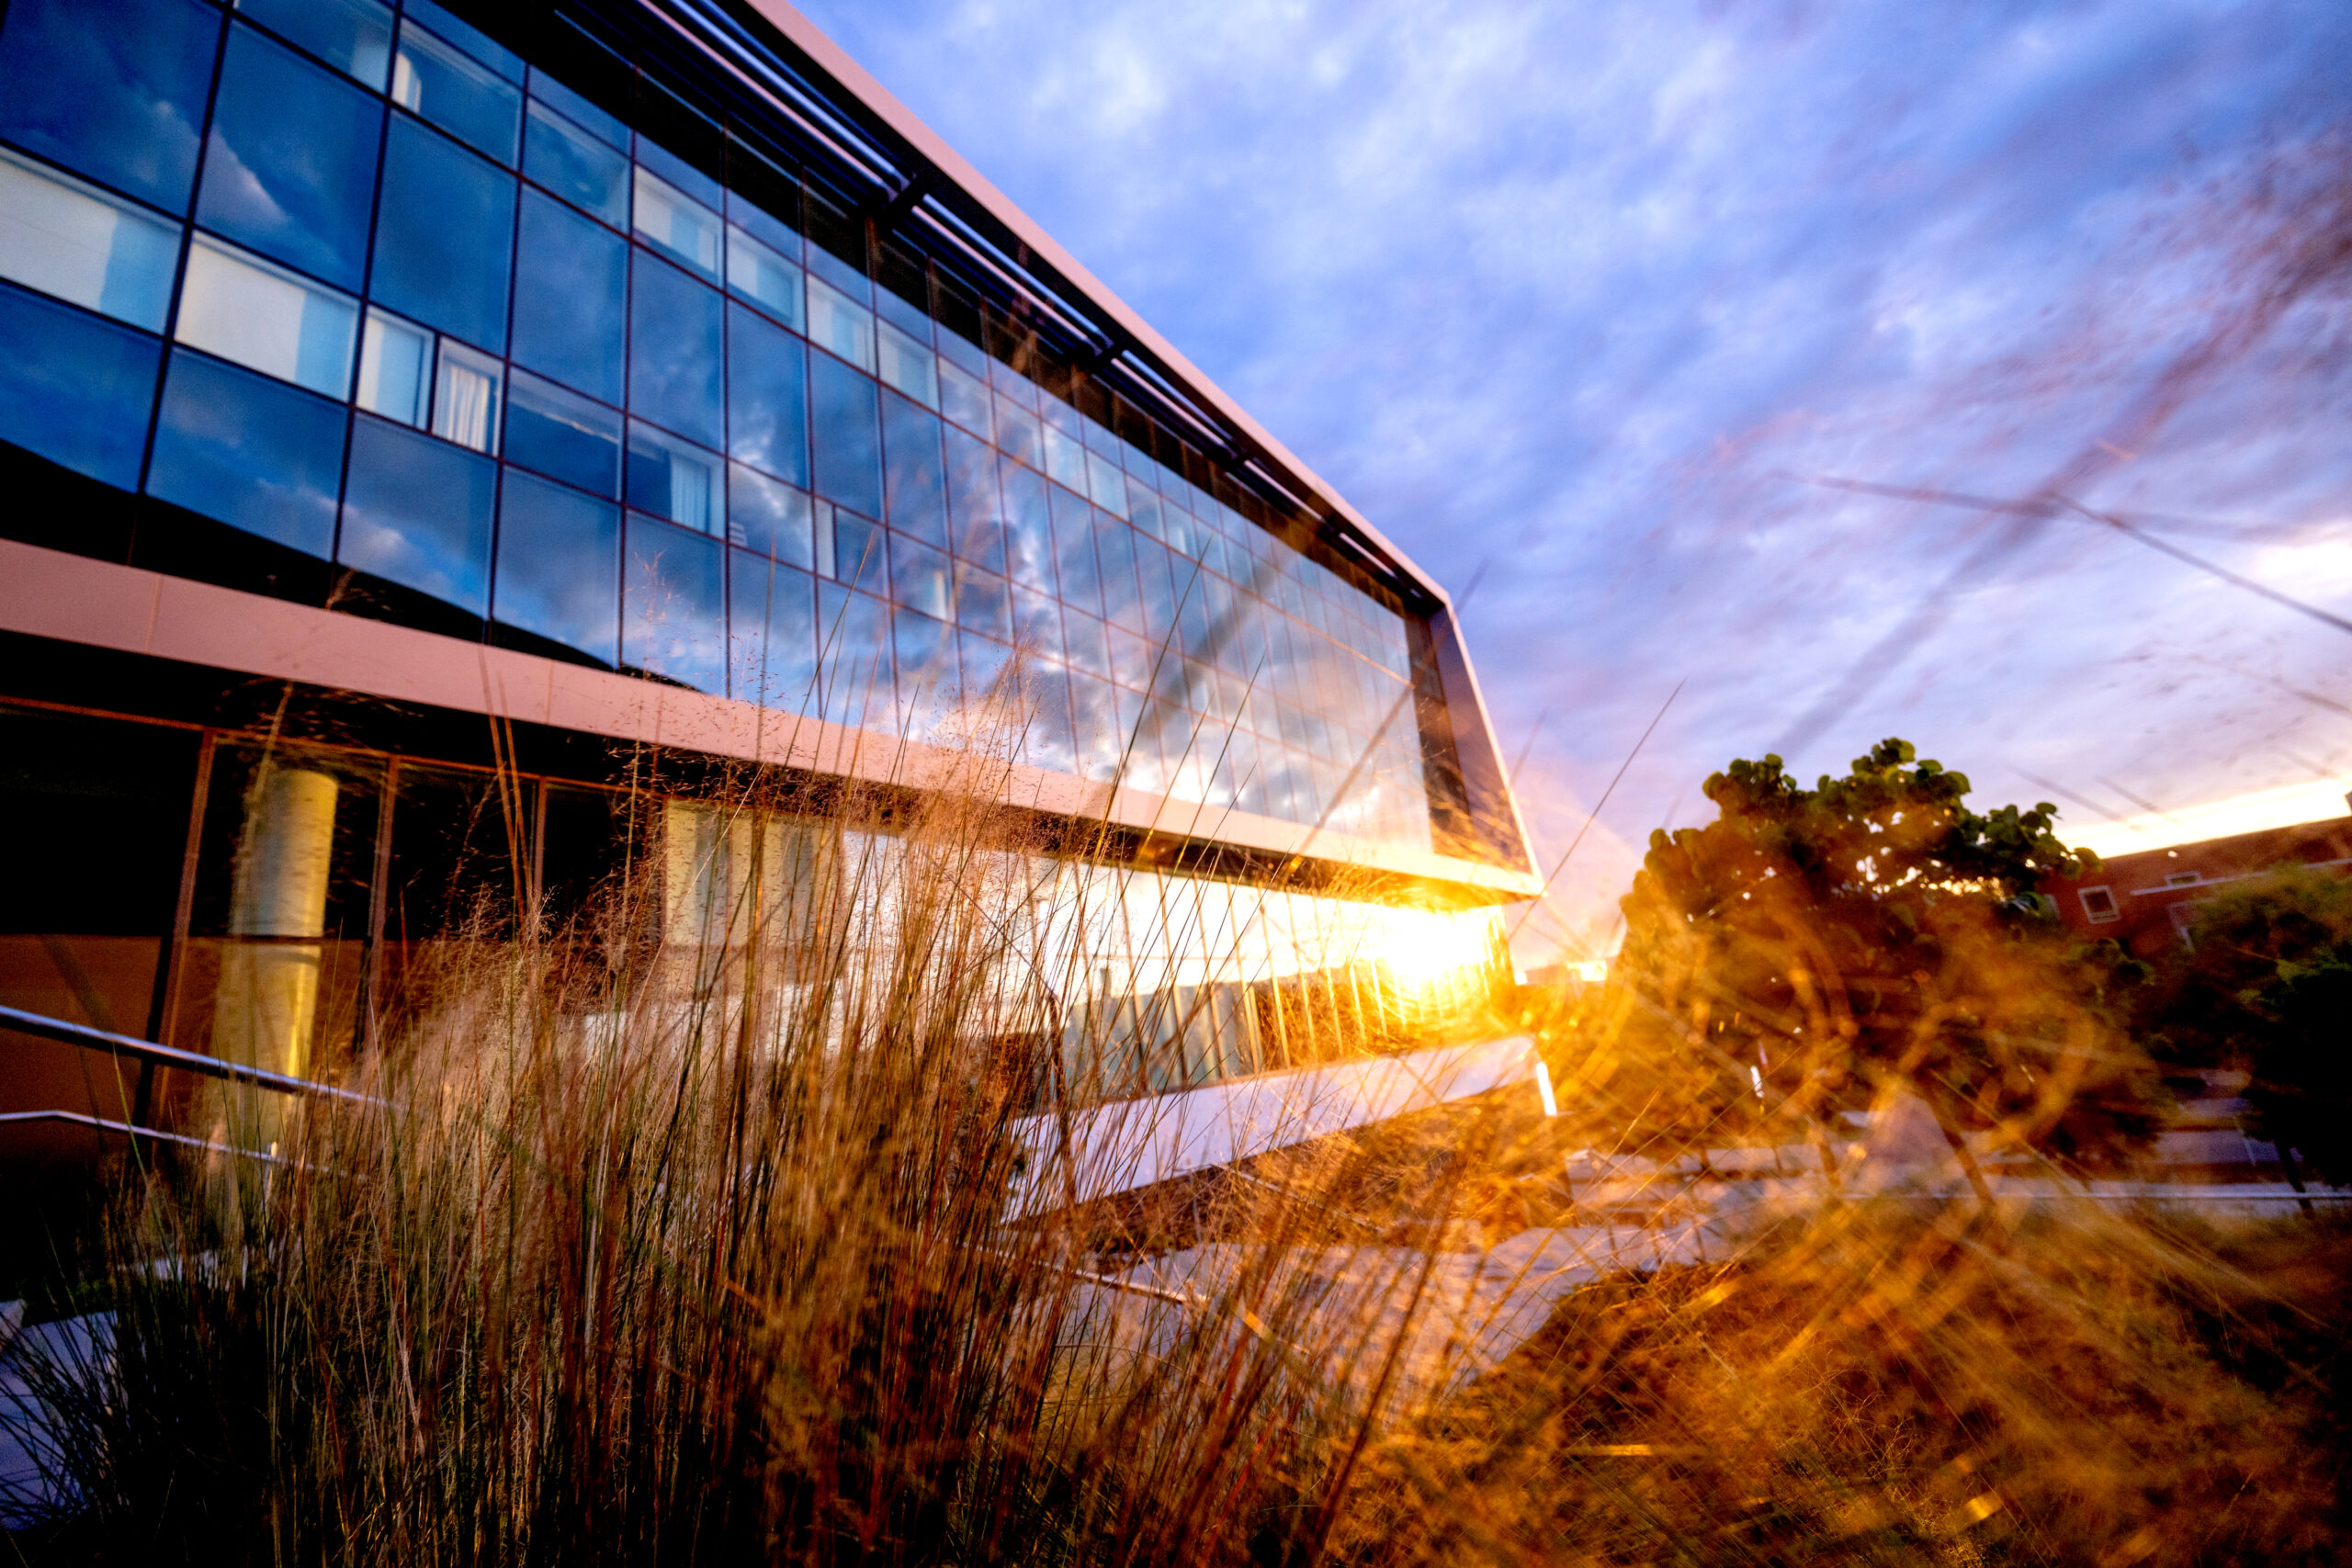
{"x":269,"y":990}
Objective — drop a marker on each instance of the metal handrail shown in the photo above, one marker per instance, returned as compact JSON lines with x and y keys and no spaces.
{"x":43,"y":1027}
{"x":130,"y":1130}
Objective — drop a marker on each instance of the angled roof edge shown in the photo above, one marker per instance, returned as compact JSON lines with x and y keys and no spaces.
{"x":896,"y":123}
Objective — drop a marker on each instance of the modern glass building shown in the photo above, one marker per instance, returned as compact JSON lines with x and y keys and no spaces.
{"x":639,"y":374}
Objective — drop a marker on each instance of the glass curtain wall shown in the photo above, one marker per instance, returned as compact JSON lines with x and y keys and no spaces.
{"x":363,"y":283}
{"x":330,"y":893}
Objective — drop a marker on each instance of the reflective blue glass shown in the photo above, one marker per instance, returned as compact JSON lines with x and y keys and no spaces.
{"x":250,"y":451}
{"x":853,"y":644}
{"x":290,"y":168}
{"x":1074,"y":562}
{"x":443,"y":232}
{"x":859,"y":558}
{"x":919,"y":577}
{"x":772,"y":633}
{"x":1088,"y":643}
{"x":984,"y":603}
{"x":576,"y":165}
{"x":842,"y":416}
{"x":73,"y":388}
{"x":673,"y":366}
{"x":563,"y":434}
{"x":1037,"y":625}
{"x":1028,"y":527}
{"x":914,"y":483}
{"x":1114,"y":547}
{"x":434,"y":79}
{"x":1098,"y":738}
{"x":681,"y":174}
{"x":1158,"y":593}
{"x":768,"y":518}
{"x":558,"y":566}
{"x":353,"y":36}
{"x":572,"y":298}
{"x":478,"y":44}
{"x":1050,"y":742}
{"x":674,"y":480}
{"x":973,"y":505}
{"x":581,"y":113}
{"x":417,"y":511}
{"x":965,"y":399}
{"x":927,"y":675}
{"x":767,"y":397}
{"x":114,"y":88}
{"x":673,"y":607}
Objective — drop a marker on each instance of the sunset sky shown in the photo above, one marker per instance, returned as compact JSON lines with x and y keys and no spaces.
{"x":1578,"y":302}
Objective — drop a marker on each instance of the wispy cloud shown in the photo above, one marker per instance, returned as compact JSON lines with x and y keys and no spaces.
{"x":1578,"y":288}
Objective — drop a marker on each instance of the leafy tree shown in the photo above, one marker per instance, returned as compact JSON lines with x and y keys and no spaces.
{"x":1811,"y":947}
{"x":2265,"y":987}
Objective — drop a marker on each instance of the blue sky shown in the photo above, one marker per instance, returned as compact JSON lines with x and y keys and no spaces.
{"x":1571,"y":301}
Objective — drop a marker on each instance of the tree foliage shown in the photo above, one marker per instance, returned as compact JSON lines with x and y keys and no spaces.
{"x":2265,"y":986}
{"x":1813,"y":947}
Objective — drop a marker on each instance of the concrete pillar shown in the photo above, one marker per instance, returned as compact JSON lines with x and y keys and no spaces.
{"x":269,"y":1000}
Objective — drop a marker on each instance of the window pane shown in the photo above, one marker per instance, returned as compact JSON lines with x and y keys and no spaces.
{"x":972,"y":502}
{"x":77,"y":243}
{"x":849,"y":279}
{"x":675,"y":170}
{"x":1074,"y":562}
{"x":562,"y":434}
{"x":353,"y":36}
{"x":672,"y":480}
{"x":927,"y":675}
{"x":853,"y":646}
{"x":772,"y":625}
{"x":249,"y":451}
{"x":1028,"y":529}
{"x":1018,"y":433}
{"x":395,"y":369}
{"x":465,"y":397}
{"x":1088,"y":643}
{"x":113,"y":89}
{"x":1037,"y":625}
{"x":674,"y":372}
{"x":444,"y":234}
{"x":576,"y":165}
{"x":74,"y":389}
{"x":580,"y":111}
{"x":267,"y":319}
{"x":984,"y":603}
{"x":673,"y":620}
{"x":848,"y":459}
{"x":919,"y":577}
{"x":1049,"y":742}
{"x":767,"y":397}
{"x":965,"y":400}
{"x":859,"y":557}
{"x":1098,"y":736}
{"x":757,"y":272}
{"x":1066,"y":459}
{"x":1106,"y":484}
{"x":676,"y":225}
{"x":1114,"y":547}
{"x":839,"y":326}
{"x":558,"y":566}
{"x":909,"y":367}
{"x":768,"y":518}
{"x":571,"y":300}
{"x":417,"y":513}
{"x":915,"y":482}
{"x":291,"y":166}
{"x":474,"y":104}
